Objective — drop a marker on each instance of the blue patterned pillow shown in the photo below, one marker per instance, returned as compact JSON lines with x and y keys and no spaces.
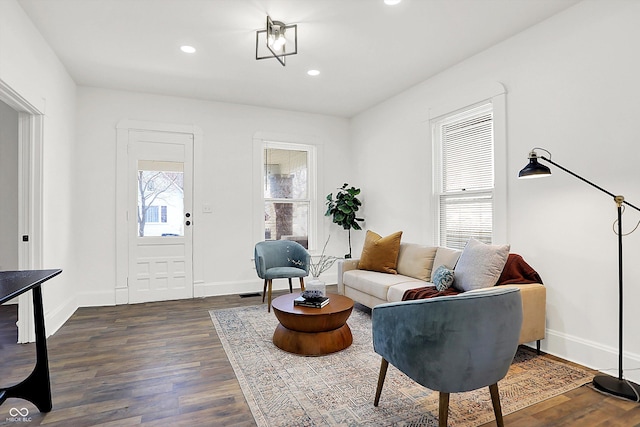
{"x":443,"y":278}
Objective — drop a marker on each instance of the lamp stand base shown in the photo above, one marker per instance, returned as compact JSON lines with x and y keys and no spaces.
{"x":616,"y":387}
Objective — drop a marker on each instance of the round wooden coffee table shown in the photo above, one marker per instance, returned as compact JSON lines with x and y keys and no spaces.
{"x":312,"y":331}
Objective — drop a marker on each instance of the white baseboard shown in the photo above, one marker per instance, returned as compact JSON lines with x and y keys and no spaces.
{"x":56,"y":318}
{"x":96,"y":299}
{"x":122,"y":296}
{"x":591,"y":354}
{"x":210,"y":289}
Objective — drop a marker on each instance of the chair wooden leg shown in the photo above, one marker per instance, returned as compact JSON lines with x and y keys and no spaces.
{"x":269,"y":295}
{"x":302,"y":284}
{"x":495,"y":400}
{"x":290,"y":285}
{"x":264,"y":290}
{"x":383,"y":373}
{"x":443,"y":409}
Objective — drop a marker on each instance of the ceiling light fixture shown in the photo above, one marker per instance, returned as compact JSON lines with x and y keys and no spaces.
{"x":391,"y":2}
{"x":280,"y":40}
{"x":188,"y":49}
{"x":313,"y":73}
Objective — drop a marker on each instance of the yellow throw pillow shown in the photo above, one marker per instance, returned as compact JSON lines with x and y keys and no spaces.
{"x":380,"y":253}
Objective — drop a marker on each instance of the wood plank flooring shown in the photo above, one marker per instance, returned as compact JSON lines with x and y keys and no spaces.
{"x":162,"y":364}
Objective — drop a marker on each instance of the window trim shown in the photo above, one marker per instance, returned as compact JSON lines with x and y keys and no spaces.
{"x":474,"y":97}
{"x":260,"y":144}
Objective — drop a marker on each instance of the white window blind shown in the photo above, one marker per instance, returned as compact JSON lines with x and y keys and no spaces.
{"x":465,"y":194}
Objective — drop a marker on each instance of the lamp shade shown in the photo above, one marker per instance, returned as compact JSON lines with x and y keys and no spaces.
{"x":534,"y":169}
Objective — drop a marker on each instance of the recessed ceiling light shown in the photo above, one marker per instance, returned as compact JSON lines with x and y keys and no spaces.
{"x":392,"y":2}
{"x":188,"y":49}
{"x":313,"y":72}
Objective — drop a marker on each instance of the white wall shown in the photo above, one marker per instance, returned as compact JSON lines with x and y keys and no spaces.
{"x":572,"y":87}
{"x":30,"y":68}
{"x":224,"y":239}
{"x":8,"y":188}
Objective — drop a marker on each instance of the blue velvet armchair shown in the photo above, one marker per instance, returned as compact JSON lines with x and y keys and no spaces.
{"x":450,"y":344}
{"x":280,"y":259}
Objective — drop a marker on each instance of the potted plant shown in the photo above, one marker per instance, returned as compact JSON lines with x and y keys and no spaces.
{"x":343,"y":209}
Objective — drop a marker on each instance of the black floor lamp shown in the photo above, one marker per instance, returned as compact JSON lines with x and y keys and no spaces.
{"x":616,"y":386}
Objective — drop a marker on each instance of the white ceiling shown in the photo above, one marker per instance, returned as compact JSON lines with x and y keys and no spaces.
{"x":365,"y":50}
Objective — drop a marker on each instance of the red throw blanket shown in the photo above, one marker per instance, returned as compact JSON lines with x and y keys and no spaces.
{"x":516,"y":270}
{"x":427,"y":292}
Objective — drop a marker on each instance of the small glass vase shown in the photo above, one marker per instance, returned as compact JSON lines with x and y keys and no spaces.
{"x":317,"y":286}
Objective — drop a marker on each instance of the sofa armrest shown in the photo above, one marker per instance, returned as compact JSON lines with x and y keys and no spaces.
{"x":534,"y":301}
{"x":345,"y":265}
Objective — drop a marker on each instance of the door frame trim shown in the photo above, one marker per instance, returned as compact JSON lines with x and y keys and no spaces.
{"x":30,"y":201}
{"x":123,"y":127}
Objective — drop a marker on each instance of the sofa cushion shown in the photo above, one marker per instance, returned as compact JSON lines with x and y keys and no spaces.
{"x":479,"y":265}
{"x":375,"y":283}
{"x":442,"y":277}
{"x":447,"y":257}
{"x":380,"y":253}
{"x":416,"y":260}
{"x":396,"y":292}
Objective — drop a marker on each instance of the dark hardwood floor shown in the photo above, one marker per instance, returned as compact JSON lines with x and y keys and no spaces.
{"x":162,"y":364}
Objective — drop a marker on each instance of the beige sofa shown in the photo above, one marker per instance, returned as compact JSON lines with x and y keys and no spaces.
{"x":414,"y":266}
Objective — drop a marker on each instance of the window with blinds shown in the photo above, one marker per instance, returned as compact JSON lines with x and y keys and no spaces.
{"x":465,"y":185}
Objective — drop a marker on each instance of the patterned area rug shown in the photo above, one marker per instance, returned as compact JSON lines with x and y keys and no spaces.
{"x":284,"y":389}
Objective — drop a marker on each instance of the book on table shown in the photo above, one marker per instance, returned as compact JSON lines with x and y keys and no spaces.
{"x":311,"y":302}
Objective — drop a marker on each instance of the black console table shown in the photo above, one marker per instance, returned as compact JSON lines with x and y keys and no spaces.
{"x":36,"y":388}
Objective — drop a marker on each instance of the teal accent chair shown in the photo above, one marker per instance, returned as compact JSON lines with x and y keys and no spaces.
{"x":280,"y":259}
{"x":450,"y":344}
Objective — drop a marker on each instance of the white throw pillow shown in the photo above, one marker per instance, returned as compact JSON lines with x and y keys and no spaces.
{"x":480,"y":265}
{"x":447,"y":257}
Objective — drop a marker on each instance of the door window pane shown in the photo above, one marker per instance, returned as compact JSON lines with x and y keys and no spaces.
{"x":160,"y":198}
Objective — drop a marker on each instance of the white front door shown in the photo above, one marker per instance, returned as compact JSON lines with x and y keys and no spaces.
{"x":159,"y":215}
